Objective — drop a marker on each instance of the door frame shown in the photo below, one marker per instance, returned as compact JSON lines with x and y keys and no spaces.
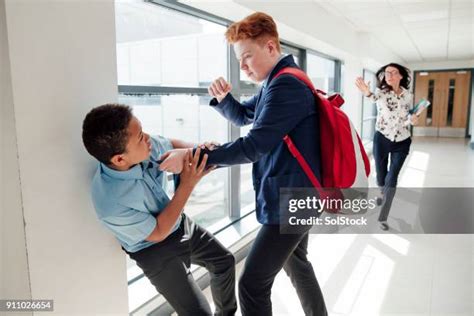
{"x":469,"y":106}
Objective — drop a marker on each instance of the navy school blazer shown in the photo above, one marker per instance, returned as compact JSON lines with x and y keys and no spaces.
{"x":285,"y":106}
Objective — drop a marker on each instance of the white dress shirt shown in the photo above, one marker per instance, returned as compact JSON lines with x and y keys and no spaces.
{"x":393,"y":113}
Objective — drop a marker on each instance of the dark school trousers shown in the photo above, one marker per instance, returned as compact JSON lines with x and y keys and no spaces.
{"x":384,"y":150}
{"x":270,"y":252}
{"x":167,"y":265}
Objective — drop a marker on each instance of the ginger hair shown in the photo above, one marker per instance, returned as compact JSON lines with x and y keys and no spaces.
{"x":258,"y":26}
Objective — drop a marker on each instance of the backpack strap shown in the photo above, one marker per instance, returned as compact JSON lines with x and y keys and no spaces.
{"x":335,"y":100}
{"x":302,"y":162}
{"x":298,"y":73}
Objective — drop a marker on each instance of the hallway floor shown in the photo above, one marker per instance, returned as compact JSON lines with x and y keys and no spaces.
{"x":396,"y":274}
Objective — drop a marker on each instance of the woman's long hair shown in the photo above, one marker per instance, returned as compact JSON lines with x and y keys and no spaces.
{"x":404,"y":72}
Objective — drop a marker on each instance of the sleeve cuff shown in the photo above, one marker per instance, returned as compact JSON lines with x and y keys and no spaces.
{"x":215,"y":103}
{"x":149,"y":228}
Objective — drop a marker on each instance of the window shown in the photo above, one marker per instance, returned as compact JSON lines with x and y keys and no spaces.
{"x":452,"y":87}
{"x":157,"y":46}
{"x":296,"y":52}
{"x":369,"y":110}
{"x":429,"y":112}
{"x":165,"y":62}
{"x":341,"y":76}
{"x":247,"y":193}
{"x":322,"y":72}
{"x":189,"y":118}
{"x":160,"y":50}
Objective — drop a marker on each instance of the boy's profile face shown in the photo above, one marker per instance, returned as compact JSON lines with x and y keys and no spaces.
{"x":256,"y":59}
{"x":138,"y":147}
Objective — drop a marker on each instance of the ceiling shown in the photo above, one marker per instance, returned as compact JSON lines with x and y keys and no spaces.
{"x":417,"y":31}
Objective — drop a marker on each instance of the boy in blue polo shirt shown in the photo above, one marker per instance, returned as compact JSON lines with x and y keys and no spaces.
{"x":129,"y":195}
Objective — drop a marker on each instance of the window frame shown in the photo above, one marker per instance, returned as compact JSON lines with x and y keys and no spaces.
{"x":365,"y":118}
{"x":337,"y":68}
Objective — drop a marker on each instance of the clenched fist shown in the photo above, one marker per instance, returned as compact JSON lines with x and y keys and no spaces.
{"x":219,"y":89}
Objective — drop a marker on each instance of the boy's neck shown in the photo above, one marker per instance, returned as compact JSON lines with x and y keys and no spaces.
{"x":120,"y":168}
{"x":275,"y":62}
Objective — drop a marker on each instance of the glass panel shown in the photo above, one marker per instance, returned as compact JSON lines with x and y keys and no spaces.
{"x":368,"y":129}
{"x":343,"y":70}
{"x":191,"y":119}
{"x":140,"y":291}
{"x":297,"y":60}
{"x":321,"y":72}
{"x":161,"y":47}
{"x":148,"y":108}
{"x":429,"y":113}
{"x":287,"y":50}
{"x":452,"y":87}
{"x":369,"y":109}
{"x":247,"y":193}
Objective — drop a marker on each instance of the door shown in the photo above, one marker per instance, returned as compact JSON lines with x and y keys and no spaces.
{"x":448,"y":93}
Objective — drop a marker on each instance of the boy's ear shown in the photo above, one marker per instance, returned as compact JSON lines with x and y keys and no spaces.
{"x":271,"y":46}
{"x":117,"y":160}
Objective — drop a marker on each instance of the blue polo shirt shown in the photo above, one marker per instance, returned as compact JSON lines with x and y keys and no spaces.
{"x":127,"y":202}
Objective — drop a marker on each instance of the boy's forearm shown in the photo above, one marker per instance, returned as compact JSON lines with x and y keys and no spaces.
{"x":166,"y":220}
{"x":177,"y":143}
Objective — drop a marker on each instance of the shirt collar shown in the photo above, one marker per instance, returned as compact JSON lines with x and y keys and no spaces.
{"x":134,"y":173}
{"x":401,"y":94}
{"x":265,"y":82}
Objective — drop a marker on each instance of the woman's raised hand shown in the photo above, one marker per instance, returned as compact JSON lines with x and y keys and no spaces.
{"x":362,"y":86}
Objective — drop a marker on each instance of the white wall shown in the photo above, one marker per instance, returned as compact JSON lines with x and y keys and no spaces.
{"x":14,"y":276}
{"x":454,"y":64}
{"x":63,"y":63}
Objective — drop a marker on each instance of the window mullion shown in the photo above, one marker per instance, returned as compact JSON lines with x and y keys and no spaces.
{"x":234,"y":133}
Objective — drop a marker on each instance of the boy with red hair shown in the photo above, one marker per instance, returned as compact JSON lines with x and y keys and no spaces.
{"x":284,"y":105}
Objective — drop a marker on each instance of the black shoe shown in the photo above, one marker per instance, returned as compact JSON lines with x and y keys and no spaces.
{"x":384,"y":226}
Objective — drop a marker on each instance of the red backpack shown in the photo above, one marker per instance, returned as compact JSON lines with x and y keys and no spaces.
{"x":344,"y":162}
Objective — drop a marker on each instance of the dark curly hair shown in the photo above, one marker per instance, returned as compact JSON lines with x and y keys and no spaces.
{"x":104,"y":131}
{"x":404,"y":72}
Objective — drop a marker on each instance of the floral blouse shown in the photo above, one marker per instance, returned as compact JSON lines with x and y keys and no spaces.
{"x":393,"y":113}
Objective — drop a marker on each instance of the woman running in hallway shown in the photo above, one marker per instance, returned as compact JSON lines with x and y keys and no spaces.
{"x":392,"y":137}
